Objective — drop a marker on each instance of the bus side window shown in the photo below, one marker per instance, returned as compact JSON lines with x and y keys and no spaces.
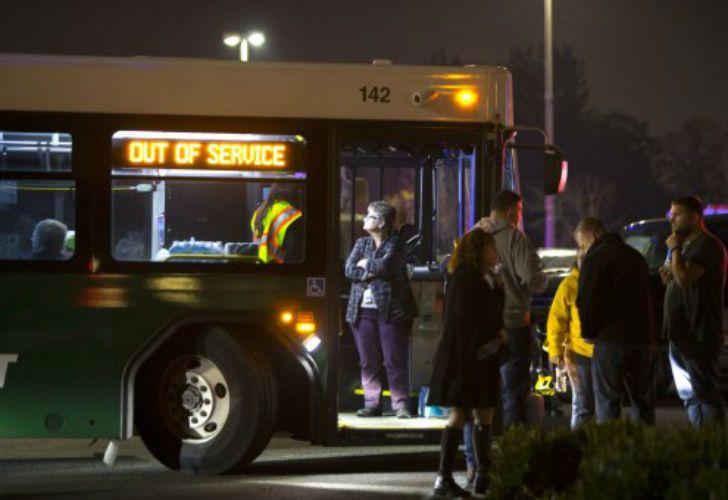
{"x":37,"y":216}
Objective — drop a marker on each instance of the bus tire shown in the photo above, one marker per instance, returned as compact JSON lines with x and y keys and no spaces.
{"x":206,"y":403}
{"x":269,"y":407}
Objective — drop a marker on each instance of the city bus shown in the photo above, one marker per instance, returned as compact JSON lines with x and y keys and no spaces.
{"x":138,"y":298}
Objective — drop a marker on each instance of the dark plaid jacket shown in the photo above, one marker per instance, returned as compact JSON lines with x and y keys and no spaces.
{"x":386,"y":273}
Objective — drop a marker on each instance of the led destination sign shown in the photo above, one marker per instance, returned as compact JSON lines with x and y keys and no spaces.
{"x":210,"y":152}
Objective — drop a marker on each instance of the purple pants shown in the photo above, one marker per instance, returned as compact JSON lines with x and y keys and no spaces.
{"x":378,"y":340}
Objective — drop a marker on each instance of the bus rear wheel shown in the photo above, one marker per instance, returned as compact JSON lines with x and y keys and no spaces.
{"x":206,"y":403}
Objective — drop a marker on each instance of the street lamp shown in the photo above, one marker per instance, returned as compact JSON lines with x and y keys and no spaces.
{"x":255,"y":38}
{"x":548,"y":63}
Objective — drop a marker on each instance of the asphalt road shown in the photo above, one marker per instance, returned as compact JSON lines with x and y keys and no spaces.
{"x":287,"y":469}
{"x":72,"y":469}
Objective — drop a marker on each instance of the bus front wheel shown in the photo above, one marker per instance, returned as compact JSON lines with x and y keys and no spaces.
{"x":206,"y":402}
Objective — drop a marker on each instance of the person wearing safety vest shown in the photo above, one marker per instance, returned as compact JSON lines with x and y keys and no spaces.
{"x":568,"y":349}
{"x":277,"y":226}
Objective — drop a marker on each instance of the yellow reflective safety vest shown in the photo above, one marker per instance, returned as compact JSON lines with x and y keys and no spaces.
{"x":280,"y":215}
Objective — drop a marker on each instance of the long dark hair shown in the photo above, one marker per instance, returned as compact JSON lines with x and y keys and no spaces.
{"x":278,"y":192}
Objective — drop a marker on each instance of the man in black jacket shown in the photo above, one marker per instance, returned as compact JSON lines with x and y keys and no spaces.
{"x":615,"y":309}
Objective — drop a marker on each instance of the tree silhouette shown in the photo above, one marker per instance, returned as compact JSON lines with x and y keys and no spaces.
{"x":441,"y":58}
{"x":587,"y":196}
{"x":694,"y":160}
{"x":570,"y":86}
{"x":609,"y":153}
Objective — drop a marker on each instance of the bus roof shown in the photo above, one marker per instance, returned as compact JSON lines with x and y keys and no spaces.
{"x":177,"y":86}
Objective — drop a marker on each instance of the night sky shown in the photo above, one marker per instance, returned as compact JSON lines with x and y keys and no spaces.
{"x":660,"y":61}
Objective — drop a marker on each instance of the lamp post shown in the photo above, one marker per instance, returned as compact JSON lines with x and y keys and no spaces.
{"x":255,"y":38}
{"x":548,"y":115}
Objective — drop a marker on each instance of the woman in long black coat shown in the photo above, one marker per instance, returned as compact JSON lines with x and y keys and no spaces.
{"x":465,"y":374}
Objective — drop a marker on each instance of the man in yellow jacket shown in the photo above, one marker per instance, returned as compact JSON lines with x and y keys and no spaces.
{"x":568,"y":349}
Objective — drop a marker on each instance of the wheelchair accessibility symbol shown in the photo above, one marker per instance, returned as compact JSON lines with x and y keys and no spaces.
{"x":316,"y":287}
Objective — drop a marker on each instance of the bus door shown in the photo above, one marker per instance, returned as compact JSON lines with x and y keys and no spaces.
{"x":431,"y":183}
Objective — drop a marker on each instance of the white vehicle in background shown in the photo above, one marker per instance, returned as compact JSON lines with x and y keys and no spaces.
{"x":557,"y":259}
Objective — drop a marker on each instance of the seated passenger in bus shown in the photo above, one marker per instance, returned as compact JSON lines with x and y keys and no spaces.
{"x":130,"y":246}
{"x":49,"y":240}
{"x":277,"y":226}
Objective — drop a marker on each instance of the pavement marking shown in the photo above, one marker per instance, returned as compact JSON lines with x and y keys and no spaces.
{"x":358,"y":487}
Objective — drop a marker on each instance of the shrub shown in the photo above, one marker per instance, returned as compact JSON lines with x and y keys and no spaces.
{"x":531,"y":463}
{"x":615,"y":460}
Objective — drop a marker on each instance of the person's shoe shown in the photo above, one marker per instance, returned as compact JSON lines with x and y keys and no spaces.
{"x":447,"y":487}
{"x":369,"y":412}
{"x":403,"y":413}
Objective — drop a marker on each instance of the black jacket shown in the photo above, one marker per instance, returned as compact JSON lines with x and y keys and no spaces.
{"x":614,"y":298}
{"x":473,"y":316}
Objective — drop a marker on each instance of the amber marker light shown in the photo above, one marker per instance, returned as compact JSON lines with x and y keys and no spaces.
{"x":466,"y":98}
{"x":305,"y":323}
{"x":304,"y":328}
{"x":286,"y":317}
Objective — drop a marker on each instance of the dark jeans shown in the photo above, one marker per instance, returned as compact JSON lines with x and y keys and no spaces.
{"x":470,"y":461}
{"x":515,"y":375}
{"x":579,"y":369}
{"x":377,"y":341}
{"x":616,"y":365}
{"x":695,"y":369}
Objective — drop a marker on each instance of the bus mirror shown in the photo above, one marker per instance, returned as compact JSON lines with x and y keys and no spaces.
{"x":555,"y":165}
{"x":555,"y":170}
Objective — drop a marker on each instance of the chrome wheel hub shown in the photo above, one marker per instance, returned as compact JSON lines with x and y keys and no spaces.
{"x":195,"y":398}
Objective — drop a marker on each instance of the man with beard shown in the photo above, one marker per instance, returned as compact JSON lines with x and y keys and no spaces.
{"x":693,"y":318}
